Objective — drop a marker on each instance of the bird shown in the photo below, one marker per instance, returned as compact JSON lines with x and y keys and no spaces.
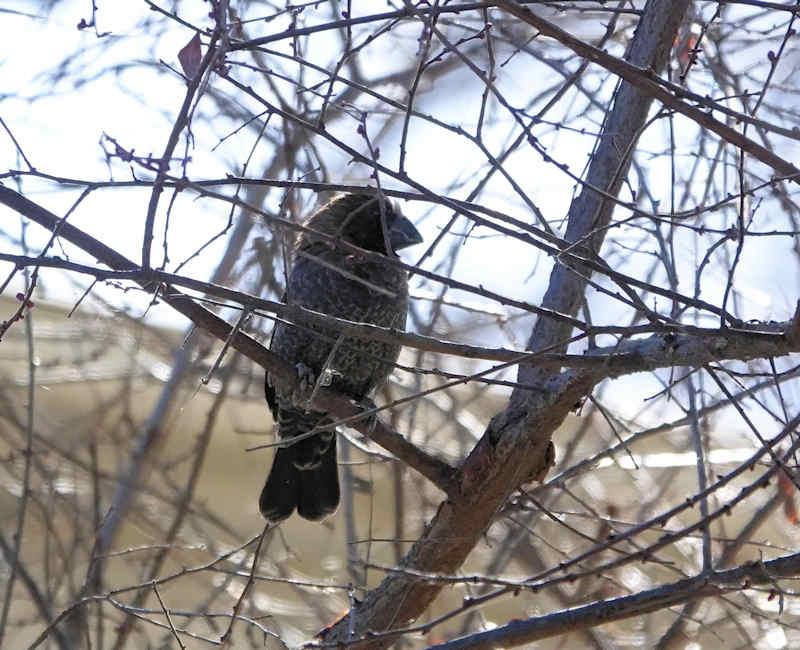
{"x":327,"y":278}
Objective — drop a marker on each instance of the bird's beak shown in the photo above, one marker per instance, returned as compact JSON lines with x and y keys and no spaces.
{"x":403,"y":234}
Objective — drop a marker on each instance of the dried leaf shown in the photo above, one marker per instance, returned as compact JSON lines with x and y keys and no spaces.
{"x":190,"y":56}
{"x":787,"y":489}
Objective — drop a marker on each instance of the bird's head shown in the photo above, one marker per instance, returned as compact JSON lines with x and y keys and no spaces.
{"x":364,"y":220}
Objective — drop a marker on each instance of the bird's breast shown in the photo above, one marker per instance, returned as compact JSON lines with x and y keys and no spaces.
{"x":369,"y":293}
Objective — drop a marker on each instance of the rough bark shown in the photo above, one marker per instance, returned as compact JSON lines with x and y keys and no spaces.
{"x":516,"y":443}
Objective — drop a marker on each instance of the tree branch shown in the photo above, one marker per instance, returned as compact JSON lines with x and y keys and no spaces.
{"x":434,"y":469}
{"x":672,"y":345}
{"x":646,"y":81}
{"x":516,"y":443}
{"x":716,"y":583}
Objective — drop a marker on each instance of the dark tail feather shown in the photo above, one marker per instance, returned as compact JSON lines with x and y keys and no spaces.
{"x":303,"y":475}
{"x":318,"y":494}
{"x":282,"y":490}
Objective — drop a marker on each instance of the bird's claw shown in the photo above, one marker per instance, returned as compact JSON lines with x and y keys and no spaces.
{"x":305,"y":377}
{"x":367,"y":405}
{"x":308,"y":384}
{"x":304,"y":390}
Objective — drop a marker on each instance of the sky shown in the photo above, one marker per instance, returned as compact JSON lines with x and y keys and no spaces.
{"x":61,"y":133}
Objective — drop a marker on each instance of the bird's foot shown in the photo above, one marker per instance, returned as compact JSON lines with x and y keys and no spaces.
{"x":308,"y":384}
{"x":369,"y":408}
{"x":305,"y":377}
{"x":303,"y":392}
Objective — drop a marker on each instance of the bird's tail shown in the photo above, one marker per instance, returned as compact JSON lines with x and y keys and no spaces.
{"x":303,"y":475}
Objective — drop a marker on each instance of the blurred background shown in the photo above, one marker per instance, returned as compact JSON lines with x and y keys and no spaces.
{"x":126,"y":484}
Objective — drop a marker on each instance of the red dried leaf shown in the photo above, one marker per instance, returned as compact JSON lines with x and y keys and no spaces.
{"x":685,"y":43}
{"x":787,"y":489}
{"x":190,"y":56}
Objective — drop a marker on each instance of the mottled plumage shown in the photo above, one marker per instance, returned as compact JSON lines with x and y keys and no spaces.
{"x":326,"y":279}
